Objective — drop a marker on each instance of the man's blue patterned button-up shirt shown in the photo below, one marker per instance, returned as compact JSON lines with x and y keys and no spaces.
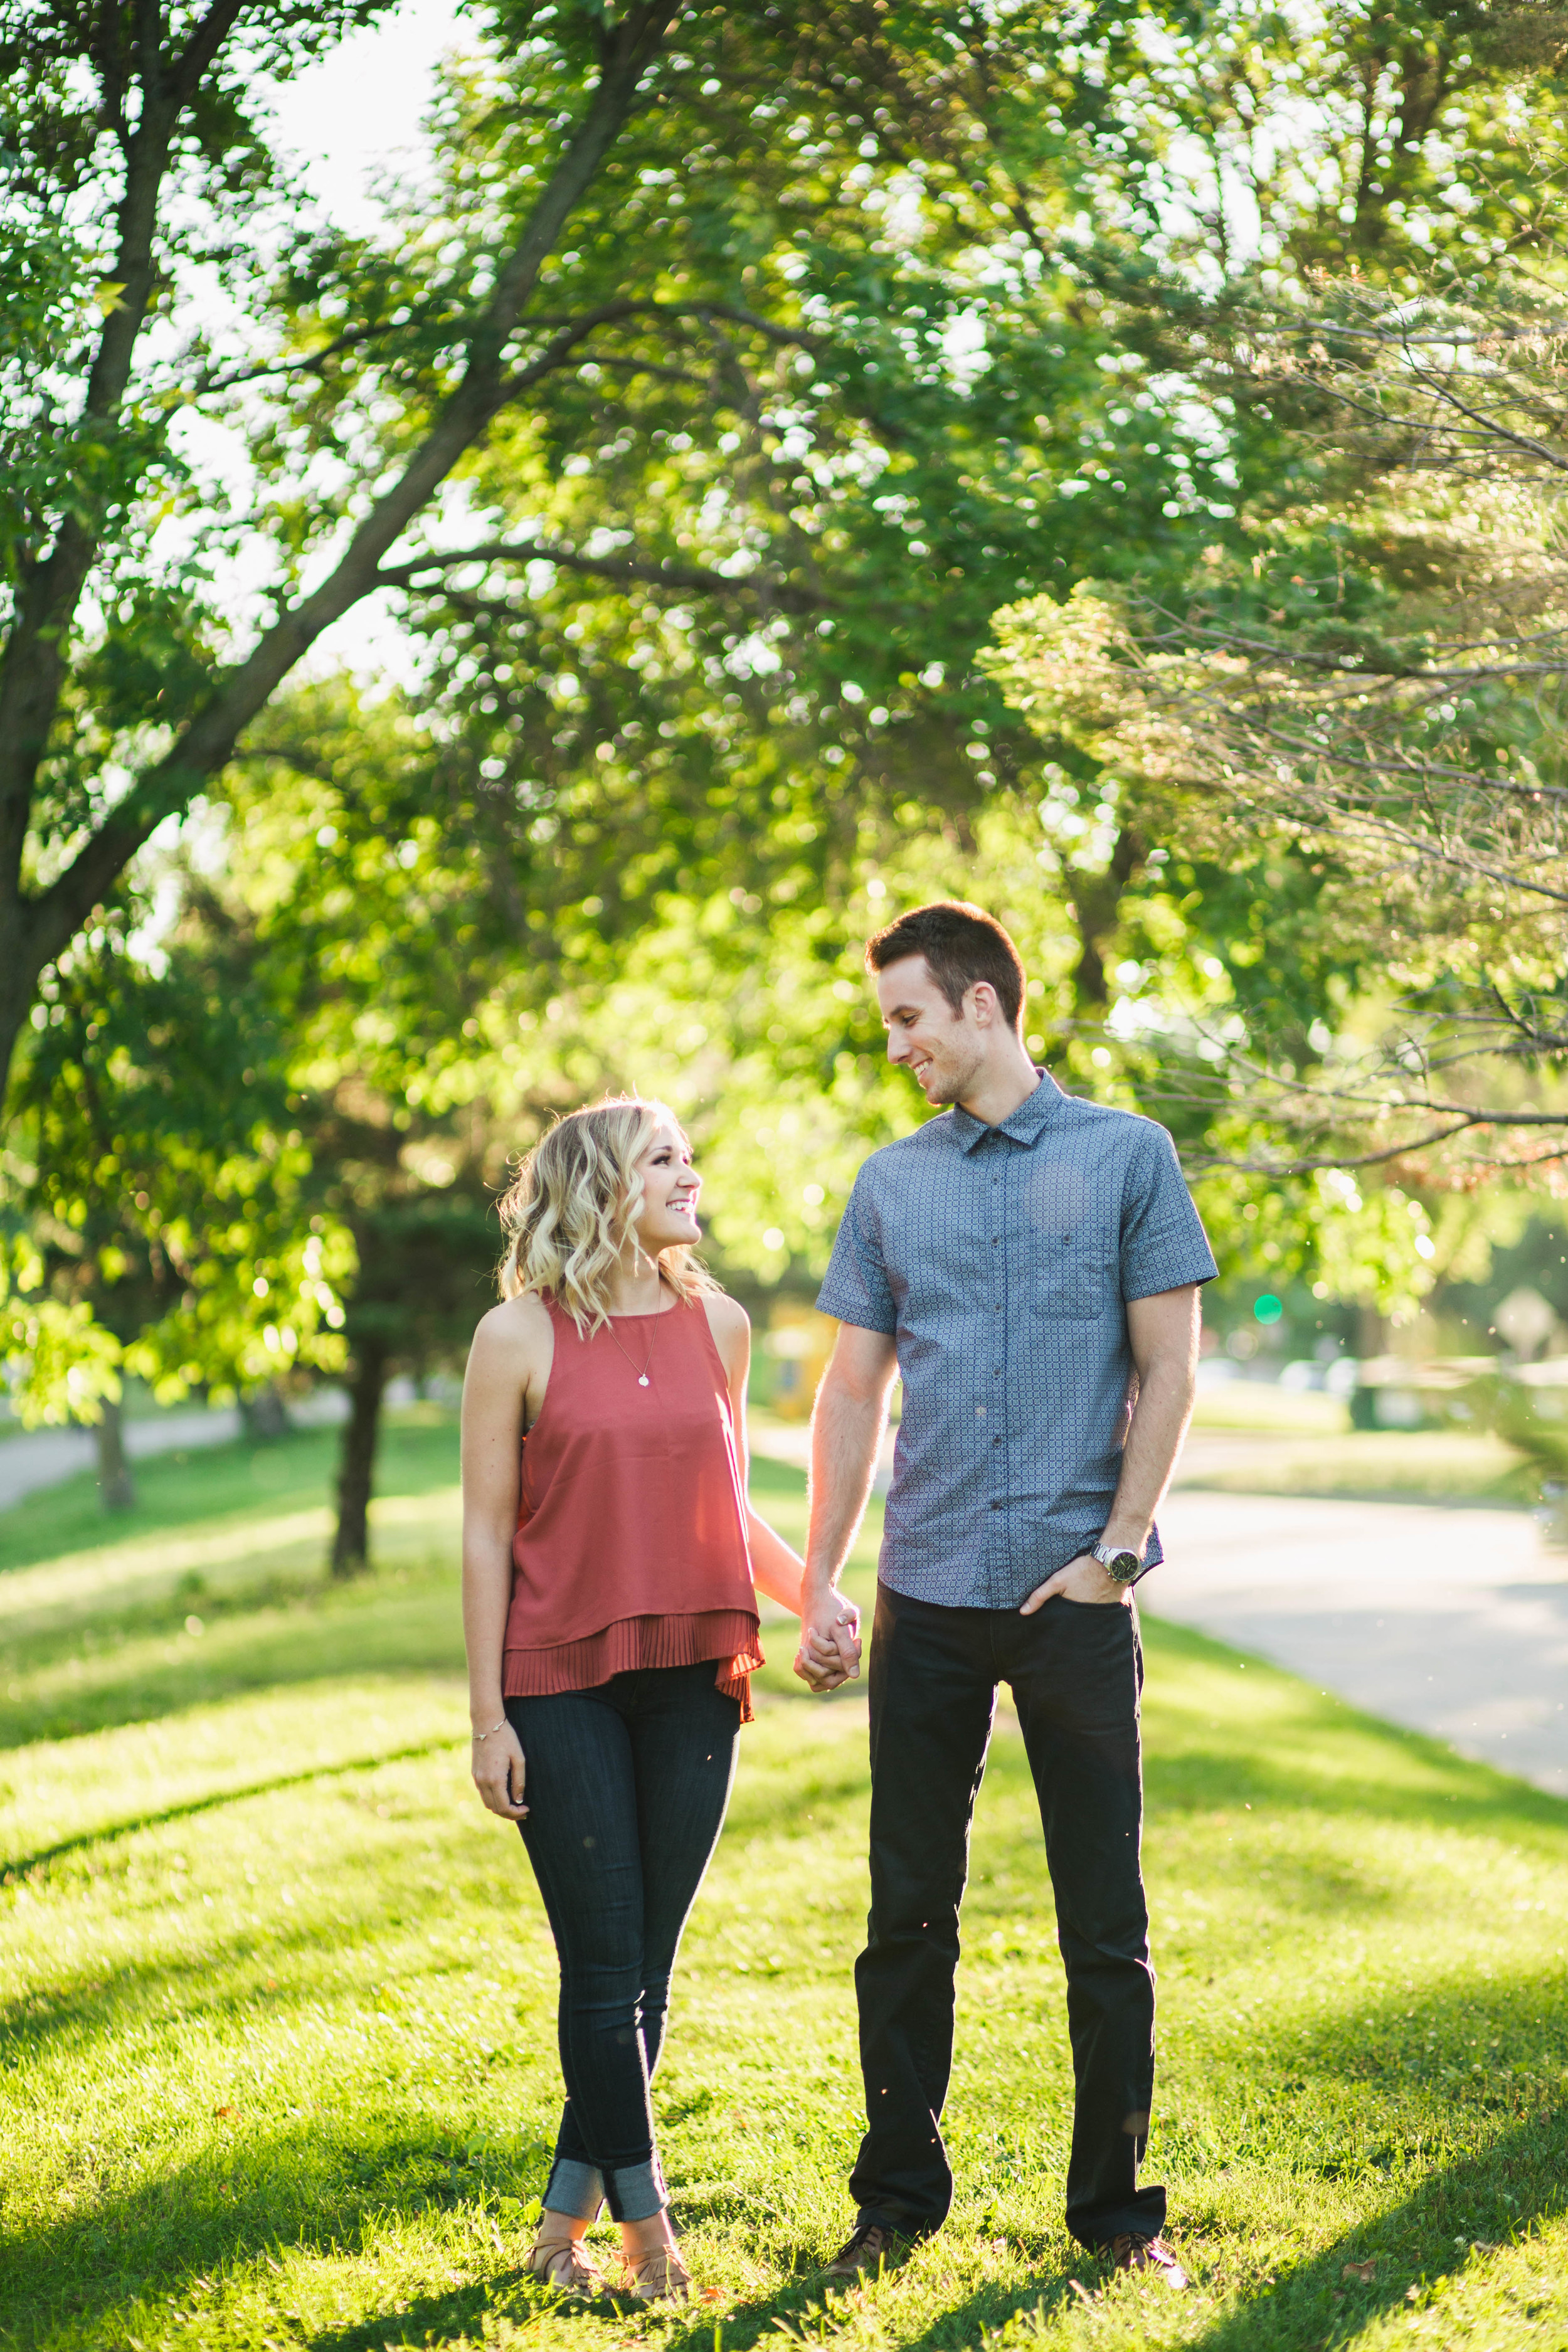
{"x":1001,"y":1259}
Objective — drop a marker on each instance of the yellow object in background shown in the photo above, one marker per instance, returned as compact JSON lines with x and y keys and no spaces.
{"x":798,"y":1344}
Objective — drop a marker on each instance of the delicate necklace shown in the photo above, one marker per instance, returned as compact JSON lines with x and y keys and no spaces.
{"x":642,"y":1376}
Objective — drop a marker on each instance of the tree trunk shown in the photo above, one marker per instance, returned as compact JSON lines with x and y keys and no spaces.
{"x":116,"y":1486}
{"x":1097,"y":906}
{"x":356,"y":1465}
{"x":264,"y":1414}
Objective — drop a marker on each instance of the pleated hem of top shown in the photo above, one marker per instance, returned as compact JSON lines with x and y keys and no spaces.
{"x":729,"y":1636}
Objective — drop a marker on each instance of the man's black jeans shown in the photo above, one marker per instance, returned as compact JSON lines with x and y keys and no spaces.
{"x":626,"y":1786}
{"x":1075,"y":1669}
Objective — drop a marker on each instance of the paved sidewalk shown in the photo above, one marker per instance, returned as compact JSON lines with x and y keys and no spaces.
{"x":42,"y":1457}
{"x":1451,"y":1622}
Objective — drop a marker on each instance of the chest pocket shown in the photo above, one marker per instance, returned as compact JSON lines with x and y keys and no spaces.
{"x":1069,"y":1279}
{"x":1070,"y":1269}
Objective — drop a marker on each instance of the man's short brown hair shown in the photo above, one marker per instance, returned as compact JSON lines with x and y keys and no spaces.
{"x":961,"y":944}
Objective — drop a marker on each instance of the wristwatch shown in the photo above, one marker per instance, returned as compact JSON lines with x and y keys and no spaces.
{"x":1122,"y":1567}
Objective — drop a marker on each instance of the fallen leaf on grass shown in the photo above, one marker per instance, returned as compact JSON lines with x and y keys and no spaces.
{"x":1366,"y":2271}
{"x":1412,"y":2294}
{"x":1081,"y":2292}
{"x":226,"y":2113}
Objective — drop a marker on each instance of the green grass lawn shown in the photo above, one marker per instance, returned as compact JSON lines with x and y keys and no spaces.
{"x":278,"y":2049}
{"x":1264,"y":1406}
{"x":1254,"y":1438}
{"x":1457,"y":1467}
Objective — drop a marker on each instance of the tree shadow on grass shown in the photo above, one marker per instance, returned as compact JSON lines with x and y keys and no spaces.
{"x":303,"y":2188}
{"x":1480,"y":2142}
{"x":800,"y":2308}
{"x":329,"y":2191}
{"x":1416,"y":2243}
{"x":245,"y":1970}
{"x":275,"y":1639}
{"x":87,"y":1841}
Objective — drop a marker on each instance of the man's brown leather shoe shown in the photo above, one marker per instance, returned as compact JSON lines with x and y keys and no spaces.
{"x":872,"y":2246}
{"x":1133,"y":2253}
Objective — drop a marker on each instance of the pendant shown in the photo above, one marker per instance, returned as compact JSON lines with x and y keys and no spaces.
{"x":642,"y":1380}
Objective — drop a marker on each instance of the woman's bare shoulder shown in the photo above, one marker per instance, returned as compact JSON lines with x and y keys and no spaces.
{"x":727,"y":1319}
{"x":519,"y":1331}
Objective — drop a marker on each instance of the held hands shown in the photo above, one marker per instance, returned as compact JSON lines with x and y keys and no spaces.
{"x":1082,"y":1578}
{"x":829,"y":1651}
{"x":499,"y":1771}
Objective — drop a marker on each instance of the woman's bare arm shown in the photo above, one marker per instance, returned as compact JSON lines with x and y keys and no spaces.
{"x":776,"y":1568}
{"x":509,"y":1365}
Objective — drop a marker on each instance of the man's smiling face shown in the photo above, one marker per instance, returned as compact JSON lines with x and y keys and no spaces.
{"x":944,"y":1049}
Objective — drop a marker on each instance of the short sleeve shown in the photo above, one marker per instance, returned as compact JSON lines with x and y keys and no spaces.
{"x":1164,"y":1246}
{"x":856,"y":1289}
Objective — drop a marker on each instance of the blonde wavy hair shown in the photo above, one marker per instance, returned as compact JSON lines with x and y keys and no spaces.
{"x":569,"y":1211}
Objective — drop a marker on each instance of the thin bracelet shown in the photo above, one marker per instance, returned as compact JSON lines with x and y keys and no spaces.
{"x":491,"y":1732}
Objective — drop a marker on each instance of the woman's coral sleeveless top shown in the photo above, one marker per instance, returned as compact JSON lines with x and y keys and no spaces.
{"x":631,"y":1545}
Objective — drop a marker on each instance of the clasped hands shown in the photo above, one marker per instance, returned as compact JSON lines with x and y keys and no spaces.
{"x":829,"y":1651}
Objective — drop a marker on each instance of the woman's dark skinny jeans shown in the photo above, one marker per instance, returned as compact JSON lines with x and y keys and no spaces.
{"x":626,"y":1786}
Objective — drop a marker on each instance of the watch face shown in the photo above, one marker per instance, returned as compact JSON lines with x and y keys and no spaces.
{"x":1124,"y":1565}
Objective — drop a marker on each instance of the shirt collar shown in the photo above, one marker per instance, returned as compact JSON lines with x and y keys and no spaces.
{"x":1021,"y":1125}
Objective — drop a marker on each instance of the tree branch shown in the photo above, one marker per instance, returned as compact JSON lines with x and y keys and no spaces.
{"x":210,"y":737}
{"x":789,"y":598}
{"x":33,"y":670}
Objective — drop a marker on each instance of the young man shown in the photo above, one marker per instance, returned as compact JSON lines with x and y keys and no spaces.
{"x":1029,"y":1262}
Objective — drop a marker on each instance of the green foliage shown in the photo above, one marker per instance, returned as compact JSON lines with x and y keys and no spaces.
{"x":858,"y":329}
{"x":163,"y":1193}
{"x":848,"y":329}
{"x":61,"y":1363}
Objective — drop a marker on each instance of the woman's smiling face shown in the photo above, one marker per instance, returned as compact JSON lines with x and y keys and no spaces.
{"x":666,"y":1215}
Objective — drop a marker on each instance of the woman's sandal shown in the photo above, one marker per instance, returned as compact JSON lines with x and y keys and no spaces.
{"x":566,"y":2265}
{"x":659,"y":2277}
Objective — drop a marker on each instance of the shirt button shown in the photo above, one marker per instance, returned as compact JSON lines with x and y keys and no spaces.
{"x":996,"y":1506}
{"x":996,"y":1441}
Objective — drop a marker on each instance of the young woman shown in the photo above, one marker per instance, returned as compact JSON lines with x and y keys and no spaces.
{"x":610,"y":1611}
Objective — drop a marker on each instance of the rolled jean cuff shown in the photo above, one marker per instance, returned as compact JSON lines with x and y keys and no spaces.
{"x":636,"y":2191}
{"x":576,"y":2190}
